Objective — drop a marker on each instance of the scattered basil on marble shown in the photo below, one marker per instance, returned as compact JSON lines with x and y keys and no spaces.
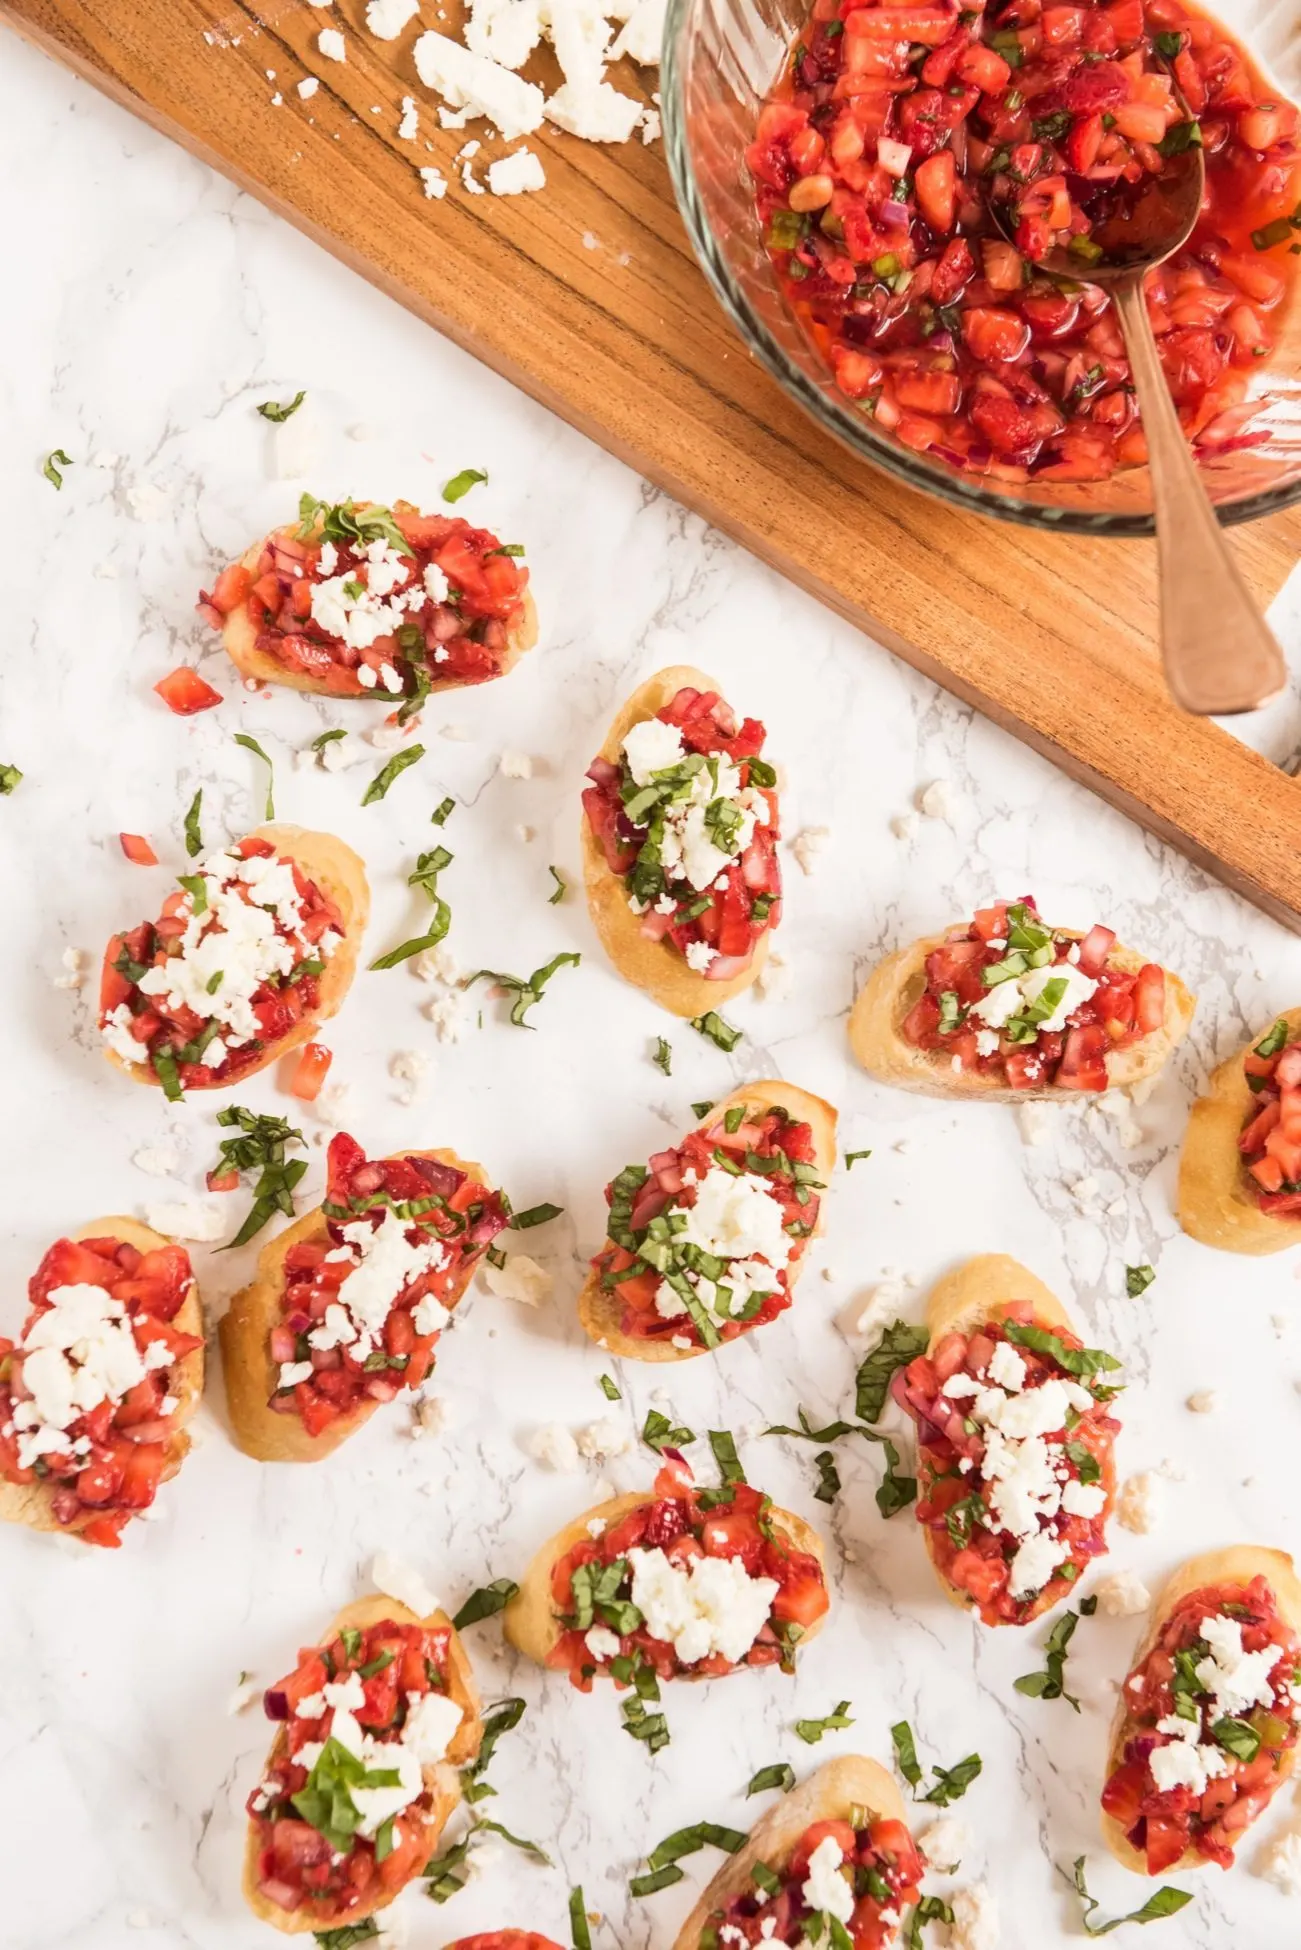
{"x":396,"y":766}
{"x":460,"y":484}
{"x":271,"y":410}
{"x":51,"y":471}
{"x":252,"y":745}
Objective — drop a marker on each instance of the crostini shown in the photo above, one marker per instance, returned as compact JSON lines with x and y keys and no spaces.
{"x":1240,"y":1172}
{"x":96,"y":1391}
{"x":1016,"y":1476}
{"x":1004,"y":1008}
{"x":256,"y":948}
{"x":373,"y":1724}
{"x":356,"y":600}
{"x":1206,"y":1730}
{"x":707,"y":1241}
{"x":672,"y":1583}
{"x":835,"y":1851}
{"x":679,"y":839}
{"x":347,"y":1304}
{"x":505,"y":1940}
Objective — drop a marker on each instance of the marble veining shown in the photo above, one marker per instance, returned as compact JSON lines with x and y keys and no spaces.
{"x":150,"y":307}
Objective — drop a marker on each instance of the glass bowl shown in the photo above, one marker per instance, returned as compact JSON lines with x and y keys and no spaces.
{"x":720,"y":60}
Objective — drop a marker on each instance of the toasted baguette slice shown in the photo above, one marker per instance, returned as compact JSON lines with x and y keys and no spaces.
{"x":531,"y":1622}
{"x":891,"y":990}
{"x":240,"y":639}
{"x":245,"y":1335}
{"x":505,"y":1940}
{"x":829,"y":1795}
{"x":654,"y":966}
{"x":1239,"y":1564}
{"x":1216,"y":1202}
{"x":973,"y":1293}
{"x":33,"y":1503}
{"x":442,"y":1780}
{"x":338,"y":872}
{"x":600,"y":1312}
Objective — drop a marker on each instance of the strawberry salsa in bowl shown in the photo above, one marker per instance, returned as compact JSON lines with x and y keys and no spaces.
{"x":859,"y":253}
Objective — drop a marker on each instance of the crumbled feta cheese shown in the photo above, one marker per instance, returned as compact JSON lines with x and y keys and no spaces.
{"x":1123,"y":1595}
{"x":516,"y":174}
{"x":1033,"y":1122}
{"x":807,"y":846}
{"x":935,"y":801}
{"x":504,"y":30}
{"x":409,"y":1067}
{"x":436,"y":964}
{"x":401,"y":1581}
{"x":308,"y":86}
{"x":1138,"y":1507}
{"x":408,"y":130}
{"x":332,"y":1104}
{"x":467,"y":80}
{"x":603,"y":1439}
{"x":387,"y":18}
{"x":1204,"y":1401}
{"x":652,"y":746}
{"x":602,"y":1643}
{"x":1116,"y":1105}
{"x":74,"y":961}
{"x":775,"y":980}
{"x":699,"y":955}
{"x":714,"y":1606}
{"x":651,"y":126}
{"x":515,"y":765}
{"x":594,"y":111}
{"x":1180,"y":1764}
{"x":975,"y":1919}
{"x":159,"y":1160}
{"x":190,"y":1221}
{"x":642,"y":34}
{"x":1007,"y":1368}
{"x":521,"y":1278}
{"x":452,"y":1015}
{"x":1280,"y":1862}
{"x":430,"y":1416}
{"x":332,"y":44}
{"x":1238,"y":1680}
{"x":903,"y":825}
{"x":79,"y":1352}
{"x":554,"y":1446}
{"x":1034,"y":1563}
{"x":945,"y":1843}
{"x":434,"y":181}
{"x":827,"y":1889}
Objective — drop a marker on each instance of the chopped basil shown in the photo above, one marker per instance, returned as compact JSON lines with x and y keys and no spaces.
{"x":952,"y":1013}
{"x":534,"y":1849}
{"x":931,"y":1909}
{"x":662,"y":1861}
{"x":348,"y":1935}
{"x":1166,"y":1902}
{"x":1081,"y":1361}
{"x":460,"y":484}
{"x":196,"y":888}
{"x":951,"y":1783}
{"x":1137,"y":1280}
{"x":193,"y":835}
{"x":1088,"y":1605}
{"x":900,"y":1343}
{"x":811,"y":1731}
{"x":608,"y":1388}
{"x":50,"y":471}
{"x":526,"y":990}
{"x":662,"y":1878}
{"x":1168,"y":45}
{"x":345,"y":522}
{"x":663,"y":1056}
{"x":439,"y":816}
{"x":779,"y":1775}
{"x":326,"y":738}
{"x":427,"y":869}
{"x":852,"y":1158}
{"x":486,"y":1602}
{"x":659,"y":1433}
{"x":733,"y":1118}
{"x":723,"y":1444}
{"x":447,"y":1874}
{"x":719,"y":1032}
{"x":1049,"y":1684}
{"x":164,"y":1062}
{"x":537,"y":1215}
{"x":1237,"y":1737}
{"x":10,"y":779}
{"x":702,"y":1109}
{"x":271,"y":411}
{"x":260,"y":1147}
{"x":507,"y":548}
{"x":326,"y":1802}
{"x":828,"y":1477}
{"x":252,"y":745}
{"x":580,"y":1934}
{"x":651,"y":1728}
{"x":1085,"y":1461}
{"x":384,"y":1840}
{"x":562,"y":887}
{"x":894,"y":1492}
{"x":396,"y":766}
{"x":905,"y":1753}
{"x":1183,"y":136}
{"x":499,"y":1719}
{"x":1273,"y":1040}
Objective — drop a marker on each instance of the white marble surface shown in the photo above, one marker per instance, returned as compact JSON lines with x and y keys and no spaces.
{"x":148,"y":308}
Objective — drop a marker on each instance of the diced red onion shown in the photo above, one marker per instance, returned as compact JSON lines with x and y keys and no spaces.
{"x":894,"y":215}
{"x":275,"y":1703}
{"x":894,"y":157}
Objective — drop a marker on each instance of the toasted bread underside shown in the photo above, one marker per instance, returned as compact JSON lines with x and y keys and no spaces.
{"x":959,"y":1303}
{"x":530,"y":1620}
{"x":600,"y":1311}
{"x":1238,"y":1564}
{"x":1216,"y":1203}
{"x":245,"y":1335}
{"x":852,"y":1781}
{"x":33,"y":1503}
{"x":442,"y":1780}
{"x":339,"y":873}
{"x":240,"y":639}
{"x":655,"y":967}
{"x":895,"y":985}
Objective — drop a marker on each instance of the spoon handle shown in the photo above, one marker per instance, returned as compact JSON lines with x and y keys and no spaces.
{"x":1219,"y":653}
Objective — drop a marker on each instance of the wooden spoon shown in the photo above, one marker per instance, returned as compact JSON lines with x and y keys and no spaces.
{"x":1219,"y":654}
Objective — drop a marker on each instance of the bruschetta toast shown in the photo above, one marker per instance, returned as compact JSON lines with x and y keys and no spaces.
{"x":255,"y":949}
{"x":505,"y":1940}
{"x":96,"y":1391}
{"x":1206,"y":1729}
{"x":357,"y":600}
{"x":373,"y":1724}
{"x":1240,"y":1171}
{"x":835,"y":1847}
{"x":679,"y":839}
{"x":1016,"y":1477}
{"x":347,"y":1304}
{"x":674,"y":1583}
{"x":1005,"y":1008}
{"x":747,"y":1182}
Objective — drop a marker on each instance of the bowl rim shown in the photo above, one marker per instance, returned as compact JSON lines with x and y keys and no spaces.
{"x":858,"y":436}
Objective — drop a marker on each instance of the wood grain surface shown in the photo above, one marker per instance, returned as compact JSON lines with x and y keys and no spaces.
{"x":1051,"y":636}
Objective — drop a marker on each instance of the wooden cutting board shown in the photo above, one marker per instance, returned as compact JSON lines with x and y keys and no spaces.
{"x":588,"y":297}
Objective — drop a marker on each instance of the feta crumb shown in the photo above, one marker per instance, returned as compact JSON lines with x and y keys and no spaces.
{"x":1122,"y":1595}
{"x":159,"y":1160}
{"x":651,"y":127}
{"x":435,"y":964}
{"x":521,"y":1278}
{"x":603,"y":1439}
{"x":806,"y":846}
{"x":1116,"y":1105}
{"x":1280,"y":1862}
{"x":434,"y":181}
{"x":515,"y":765}
{"x":194,"y":1221}
{"x":775,"y":980}
{"x":945,"y":1843}
{"x":466,"y":80}
{"x":554,"y":1446}
{"x":332,"y":1104}
{"x":903,"y":825}
{"x":75,"y":962}
{"x":430,"y":1416}
{"x":975,"y":1919}
{"x":387,"y":18}
{"x":516,"y":174}
{"x":504,"y":30}
{"x":935,"y":801}
{"x":399,"y":1580}
{"x":408,"y":130}
{"x":1204,"y":1401}
{"x":332,"y":44}
{"x":409,"y":1067}
{"x":1139,"y":1505}
{"x":452,"y":1015}
{"x":308,"y":86}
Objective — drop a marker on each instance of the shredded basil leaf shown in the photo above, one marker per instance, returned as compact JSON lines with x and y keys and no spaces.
{"x":562,"y":887}
{"x":260,"y":1147}
{"x":651,"y":1728}
{"x":580,"y":1934}
{"x":779,"y":1775}
{"x":1166,"y":1902}
{"x":811,"y":1731}
{"x":439,"y":816}
{"x":659,"y":1433}
{"x":1273,"y":1040}
{"x":931,"y":1909}
{"x":427,"y":869}
{"x":526,"y":990}
{"x":10,"y":779}
{"x":608,"y":1388}
{"x":193,"y":835}
{"x":1137,"y":1280}
{"x":396,"y":766}
{"x":486,"y":1602}
{"x":500,"y":1719}
{"x":901,"y":1342}
{"x":349,"y":1935}
{"x":905,"y":1753}
{"x":723,"y":1444}
{"x":1050,"y":1684}
{"x":828,"y":1477}
{"x":252,"y":745}
{"x":279,"y":414}
{"x":852,"y":1158}
{"x":719,"y":1032}
{"x":460,"y":484}
{"x":50,"y":471}
{"x":345,"y":522}
{"x":1080,"y":1361}
{"x":663,"y":1056}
